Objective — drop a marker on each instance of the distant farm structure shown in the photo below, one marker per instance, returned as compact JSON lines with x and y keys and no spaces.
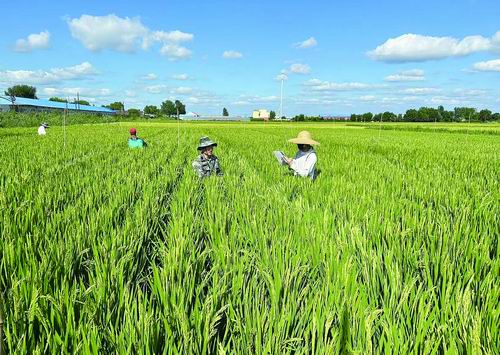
{"x":21,"y":104}
{"x":261,"y":114}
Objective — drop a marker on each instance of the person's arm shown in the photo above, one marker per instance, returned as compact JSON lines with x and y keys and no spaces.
{"x":218,"y":169}
{"x":144,"y":143}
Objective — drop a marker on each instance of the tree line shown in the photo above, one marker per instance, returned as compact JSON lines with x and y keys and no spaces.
{"x":430,"y":114}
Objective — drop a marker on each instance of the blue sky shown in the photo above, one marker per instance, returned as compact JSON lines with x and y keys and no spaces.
{"x":337,"y":57}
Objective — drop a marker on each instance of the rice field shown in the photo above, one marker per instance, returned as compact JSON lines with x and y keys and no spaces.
{"x":393,"y":249}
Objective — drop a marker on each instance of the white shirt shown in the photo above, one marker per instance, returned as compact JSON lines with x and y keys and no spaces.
{"x":303,"y":163}
{"x":41,"y":131}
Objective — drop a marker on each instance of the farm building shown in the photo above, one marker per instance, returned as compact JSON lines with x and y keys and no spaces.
{"x":21,"y":104}
{"x":261,"y":114}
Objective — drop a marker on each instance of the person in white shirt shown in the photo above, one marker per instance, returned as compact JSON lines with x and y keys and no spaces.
{"x":304,"y":162}
{"x":41,"y":129}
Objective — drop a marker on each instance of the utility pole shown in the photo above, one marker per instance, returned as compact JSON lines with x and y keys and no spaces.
{"x":281,"y":99}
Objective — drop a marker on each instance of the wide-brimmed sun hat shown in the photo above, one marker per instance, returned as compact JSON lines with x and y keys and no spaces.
{"x":45,"y":125}
{"x":206,"y":142}
{"x":304,"y":137}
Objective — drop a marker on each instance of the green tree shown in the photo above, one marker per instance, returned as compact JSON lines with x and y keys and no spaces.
{"x":180,"y":108}
{"x":57,"y":99}
{"x":367,"y":117}
{"x":272,"y":115}
{"x":485,"y":115}
{"x":151,"y":110}
{"x":82,"y":102}
{"x":224,"y":112}
{"x":117,"y":106}
{"x":26,"y":91}
{"x":133,"y":112}
{"x":168,"y":108}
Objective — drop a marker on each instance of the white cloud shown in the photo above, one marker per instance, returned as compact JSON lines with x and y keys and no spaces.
{"x":130,"y":93}
{"x":318,"y":85}
{"x":74,"y":91}
{"x":175,"y":52}
{"x":421,"y":91}
{"x":97,"y":33}
{"x":172,"y":36}
{"x":150,"y":77}
{"x":232,"y":55}
{"x":408,"y":75}
{"x":181,"y":77}
{"x":108,"y":32}
{"x":80,"y":71}
{"x":34,"y":41}
{"x":414,"y":47}
{"x":298,"y":68}
{"x":308,"y":43}
{"x":181,"y":90}
{"x":255,"y":99}
{"x":155,"y":89}
{"x":490,"y":65}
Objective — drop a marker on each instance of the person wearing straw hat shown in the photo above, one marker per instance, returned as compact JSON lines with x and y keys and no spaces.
{"x":304,"y":162}
{"x":41,"y":129}
{"x":207,"y":164}
{"x":134,"y":141}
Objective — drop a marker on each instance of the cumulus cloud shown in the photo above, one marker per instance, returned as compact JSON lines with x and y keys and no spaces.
{"x":255,"y":99}
{"x":155,"y":89}
{"x":80,"y":71}
{"x":175,"y":52}
{"x":490,"y":65}
{"x":415,"y":48}
{"x":98,"y":33}
{"x":298,"y":68}
{"x":34,"y":41}
{"x":232,"y":55}
{"x":319,"y":85}
{"x":181,"y":77}
{"x":421,"y":91}
{"x":408,"y":75}
{"x":181,"y":90}
{"x":149,"y":77}
{"x":73,"y":91}
{"x":308,"y":43}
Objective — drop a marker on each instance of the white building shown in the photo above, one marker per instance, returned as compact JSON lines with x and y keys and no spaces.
{"x":261,"y":114}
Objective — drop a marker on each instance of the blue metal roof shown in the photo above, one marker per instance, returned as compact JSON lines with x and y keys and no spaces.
{"x":60,"y":105}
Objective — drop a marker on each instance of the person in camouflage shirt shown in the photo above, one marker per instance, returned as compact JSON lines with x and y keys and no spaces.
{"x":207,"y":164}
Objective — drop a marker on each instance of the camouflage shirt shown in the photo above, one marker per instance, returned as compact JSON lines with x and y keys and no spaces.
{"x":207,"y":166}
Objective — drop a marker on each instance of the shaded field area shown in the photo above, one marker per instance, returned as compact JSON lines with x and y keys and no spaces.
{"x":394,"y":248}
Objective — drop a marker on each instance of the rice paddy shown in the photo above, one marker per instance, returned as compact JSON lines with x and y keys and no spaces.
{"x":393,"y":249}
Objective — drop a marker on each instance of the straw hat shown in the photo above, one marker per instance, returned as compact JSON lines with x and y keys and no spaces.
{"x":304,"y":137}
{"x":206,"y":142}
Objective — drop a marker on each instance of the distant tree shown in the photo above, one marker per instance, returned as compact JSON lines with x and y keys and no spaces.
{"x":26,"y":91}
{"x":272,"y":115}
{"x":465,"y":114}
{"x":367,"y":117}
{"x":411,"y":115}
{"x":81,"y":102}
{"x":133,"y":112}
{"x":57,"y":99}
{"x":224,"y":112}
{"x":485,"y":115}
{"x":168,"y":108}
{"x":180,"y":108}
{"x":117,"y":106}
{"x":151,"y":110}
{"x":495,"y":117}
